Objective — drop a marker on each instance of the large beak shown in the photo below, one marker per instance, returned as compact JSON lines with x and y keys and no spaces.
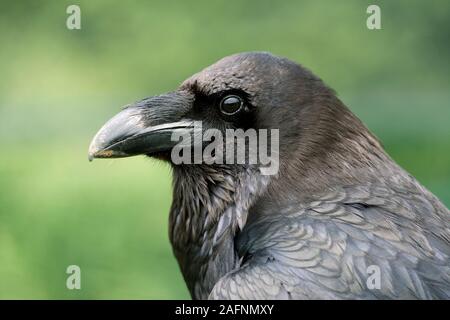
{"x":146,"y":127}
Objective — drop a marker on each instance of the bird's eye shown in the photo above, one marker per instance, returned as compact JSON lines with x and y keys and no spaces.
{"x":231,"y":105}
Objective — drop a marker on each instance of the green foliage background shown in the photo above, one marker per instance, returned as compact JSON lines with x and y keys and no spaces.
{"x":58,"y":86}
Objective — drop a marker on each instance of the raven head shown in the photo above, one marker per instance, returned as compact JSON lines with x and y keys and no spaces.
{"x":243,"y":91}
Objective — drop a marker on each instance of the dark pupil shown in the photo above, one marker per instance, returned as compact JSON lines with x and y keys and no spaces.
{"x":231,"y":104}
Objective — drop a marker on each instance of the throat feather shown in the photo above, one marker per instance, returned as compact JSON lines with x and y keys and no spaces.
{"x":210,"y":206}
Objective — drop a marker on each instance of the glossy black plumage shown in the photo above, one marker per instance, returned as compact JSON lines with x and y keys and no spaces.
{"x":338,"y":204}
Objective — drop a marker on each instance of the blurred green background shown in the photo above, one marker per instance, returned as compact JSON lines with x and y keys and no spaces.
{"x":58,"y":86}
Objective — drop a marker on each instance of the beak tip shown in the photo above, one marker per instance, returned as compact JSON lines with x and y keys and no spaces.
{"x":92,"y":151}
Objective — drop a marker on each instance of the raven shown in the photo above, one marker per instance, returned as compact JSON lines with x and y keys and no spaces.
{"x":339,"y":220}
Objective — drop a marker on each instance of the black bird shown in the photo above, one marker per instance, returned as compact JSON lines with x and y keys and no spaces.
{"x":338,"y":212}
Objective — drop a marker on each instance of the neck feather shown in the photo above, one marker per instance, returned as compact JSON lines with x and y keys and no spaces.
{"x":210,"y":207}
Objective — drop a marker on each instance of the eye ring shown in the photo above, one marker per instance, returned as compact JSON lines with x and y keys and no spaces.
{"x":231,"y":105}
